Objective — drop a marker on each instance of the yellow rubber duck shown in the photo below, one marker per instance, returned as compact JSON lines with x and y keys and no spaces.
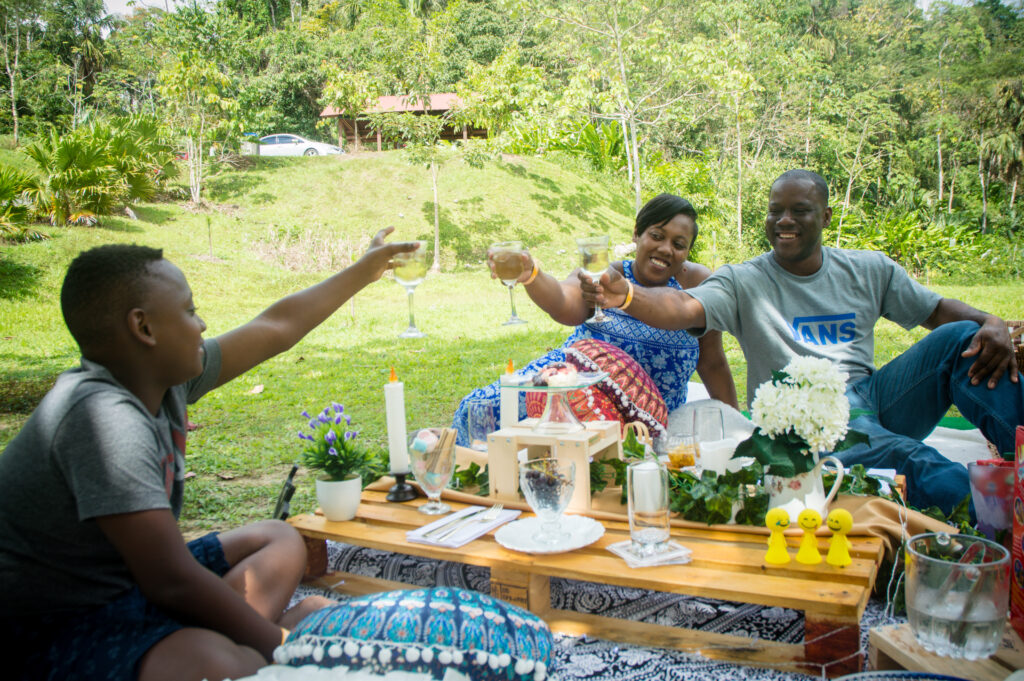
{"x":777,"y":520}
{"x":809,"y":520}
{"x":840,"y":522}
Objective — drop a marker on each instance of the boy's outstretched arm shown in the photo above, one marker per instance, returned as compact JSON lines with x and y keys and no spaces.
{"x":170,"y":577}
{"x":284,"y":323}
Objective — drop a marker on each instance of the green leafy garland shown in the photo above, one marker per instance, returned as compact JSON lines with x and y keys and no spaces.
{"x":711,"y":498}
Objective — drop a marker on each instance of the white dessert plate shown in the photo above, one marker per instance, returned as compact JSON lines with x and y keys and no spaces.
{"x":519,"y":535}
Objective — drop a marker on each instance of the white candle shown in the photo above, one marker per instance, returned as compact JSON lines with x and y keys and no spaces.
{"x":394,"y":410}
{"x":715,"y":455}
{"x":509,"y":400}
{"x":647,"y":487}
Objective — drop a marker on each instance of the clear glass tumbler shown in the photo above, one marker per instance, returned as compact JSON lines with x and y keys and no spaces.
{"x":708,"y":426}
{"x":957,"y":593}
{"x":481,"y":422}
{"x":647,"y":495}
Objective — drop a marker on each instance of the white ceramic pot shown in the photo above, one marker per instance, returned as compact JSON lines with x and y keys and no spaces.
{"x":339,"y":499}
{"x":804,"y":490}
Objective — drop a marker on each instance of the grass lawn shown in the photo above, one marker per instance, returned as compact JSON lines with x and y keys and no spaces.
{"x":282,"y":224}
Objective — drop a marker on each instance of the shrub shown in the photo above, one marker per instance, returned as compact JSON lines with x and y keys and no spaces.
{"x":14,"y":206}
{"x":94,"y":170}
{"x":916,"y":243}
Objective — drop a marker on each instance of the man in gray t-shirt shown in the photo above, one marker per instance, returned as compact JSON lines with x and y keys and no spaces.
{"x":96,"y":580}
{"x":805,"y":299}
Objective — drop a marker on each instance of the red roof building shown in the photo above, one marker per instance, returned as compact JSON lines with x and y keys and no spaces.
{"x":439,"y":104}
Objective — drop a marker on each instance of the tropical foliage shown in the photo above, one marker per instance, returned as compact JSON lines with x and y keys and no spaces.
{"x":14,"y":209}
{"x":913,"y":112}
{"x":96,"y":169}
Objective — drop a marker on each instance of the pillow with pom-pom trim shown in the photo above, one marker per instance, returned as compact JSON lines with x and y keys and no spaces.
{"x":588,"y":404}
{"x":424,"y":631}
{"x":627,"y":386}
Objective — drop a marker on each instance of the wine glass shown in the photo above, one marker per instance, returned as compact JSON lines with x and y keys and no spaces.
{"x":548,"y":485}
{"x":594,"y":260}
{"x":507,"y":257}
{"x":410,"y":269}
{"x":432,"y":465}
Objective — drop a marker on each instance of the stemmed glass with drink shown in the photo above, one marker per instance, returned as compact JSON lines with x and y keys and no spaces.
{"x":594,"y":261}
{"x":548,"y":485}
{"x":410,"y":269}
{"x":507,"y":257}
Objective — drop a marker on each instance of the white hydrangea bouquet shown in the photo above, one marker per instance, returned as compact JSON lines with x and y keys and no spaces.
{"x":801,"y":413}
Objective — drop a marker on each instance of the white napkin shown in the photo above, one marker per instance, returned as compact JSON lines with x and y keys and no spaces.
{"x":466,"y":533}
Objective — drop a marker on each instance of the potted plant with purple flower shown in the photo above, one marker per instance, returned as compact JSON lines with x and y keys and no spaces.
{"x":346,"y":464}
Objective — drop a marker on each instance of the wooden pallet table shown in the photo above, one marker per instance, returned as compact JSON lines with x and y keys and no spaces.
{"x":894,"y":647}
{"x":726,"y":565}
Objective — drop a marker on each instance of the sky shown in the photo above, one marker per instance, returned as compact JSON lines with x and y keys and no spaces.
{"x":121,"y":6}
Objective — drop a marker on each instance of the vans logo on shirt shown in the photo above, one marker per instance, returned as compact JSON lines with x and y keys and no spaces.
{"x":829,"y":329}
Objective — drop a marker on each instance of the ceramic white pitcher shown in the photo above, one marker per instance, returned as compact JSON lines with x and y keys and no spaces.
{"x":804,"y":490}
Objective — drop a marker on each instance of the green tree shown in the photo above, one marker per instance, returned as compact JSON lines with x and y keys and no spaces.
{"x":19,"y":24}
{"x":623,"y":50}
{"x":196,"y":96}
{"x":75,"y":33}
{"x":349,"y":92}
{"x":493,"y":96}
{"x":419,"y":136}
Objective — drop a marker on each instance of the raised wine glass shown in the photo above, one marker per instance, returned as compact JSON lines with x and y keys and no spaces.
{"x":410,"y":269}
{"x":594,"y":260}
{"x":507,"y":257}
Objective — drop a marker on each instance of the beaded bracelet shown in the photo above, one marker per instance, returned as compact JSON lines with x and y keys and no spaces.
{"x":629,"y":297}
{"x":533,"y":275}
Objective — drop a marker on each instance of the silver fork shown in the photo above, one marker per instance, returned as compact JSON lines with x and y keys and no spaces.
{"x":487,"y":516}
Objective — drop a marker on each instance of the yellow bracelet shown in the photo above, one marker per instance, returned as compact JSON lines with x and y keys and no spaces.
{"x":533,"y":275}
{"x":629,"y":297}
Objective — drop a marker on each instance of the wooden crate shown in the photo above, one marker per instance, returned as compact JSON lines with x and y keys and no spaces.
{"x":726,"y":565}
{"x":894,"y":647}
{"x":599,"y":440}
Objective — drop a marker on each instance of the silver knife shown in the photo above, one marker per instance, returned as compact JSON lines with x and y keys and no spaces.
{"x":444,"y":526}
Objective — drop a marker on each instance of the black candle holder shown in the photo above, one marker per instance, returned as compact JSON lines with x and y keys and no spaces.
{"x":401,"y":491}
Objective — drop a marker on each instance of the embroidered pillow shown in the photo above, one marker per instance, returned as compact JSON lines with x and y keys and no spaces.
{"x":628,"y":386}
{"x":424,"y":630}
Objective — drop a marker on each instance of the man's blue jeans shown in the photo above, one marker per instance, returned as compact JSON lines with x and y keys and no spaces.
{"x":909,"y":395}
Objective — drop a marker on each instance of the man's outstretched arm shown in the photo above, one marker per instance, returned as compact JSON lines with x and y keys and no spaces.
{"x":284,"y":323}
{"x":991,"y":346}
{"x":660,"y":307}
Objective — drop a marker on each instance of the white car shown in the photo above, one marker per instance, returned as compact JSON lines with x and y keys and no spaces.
{"x":293,"y":145}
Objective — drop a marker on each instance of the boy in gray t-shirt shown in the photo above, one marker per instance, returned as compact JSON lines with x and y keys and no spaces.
{"x":805,"y":299}
{"x":97,"y":580}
